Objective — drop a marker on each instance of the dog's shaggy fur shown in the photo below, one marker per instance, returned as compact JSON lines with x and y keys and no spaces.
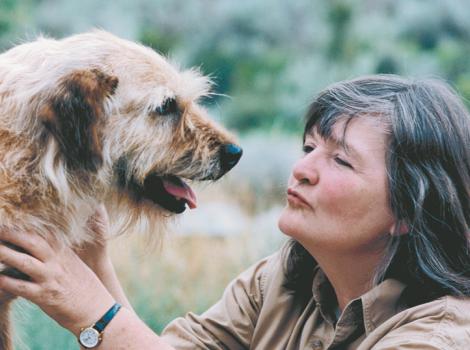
{"x":93,"y":118}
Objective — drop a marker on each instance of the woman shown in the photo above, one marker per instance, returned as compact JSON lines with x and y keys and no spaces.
{"x":378,"y":209}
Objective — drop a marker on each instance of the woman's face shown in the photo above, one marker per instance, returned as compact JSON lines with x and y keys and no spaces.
{"x":337,"y":197}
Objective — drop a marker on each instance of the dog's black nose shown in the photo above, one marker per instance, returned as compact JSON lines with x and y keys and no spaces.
{"x":230,"y":155}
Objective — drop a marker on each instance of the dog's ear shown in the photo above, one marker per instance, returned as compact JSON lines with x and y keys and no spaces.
{"x":74,"y":116}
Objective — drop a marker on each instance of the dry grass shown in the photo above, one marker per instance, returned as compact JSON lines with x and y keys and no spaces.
{"x":188,"y":274}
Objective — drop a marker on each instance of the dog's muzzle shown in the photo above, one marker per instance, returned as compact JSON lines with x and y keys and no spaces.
{"x":169,"y":191}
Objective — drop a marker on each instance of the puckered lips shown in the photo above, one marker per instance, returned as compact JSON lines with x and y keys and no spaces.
{"x":170,"y":192}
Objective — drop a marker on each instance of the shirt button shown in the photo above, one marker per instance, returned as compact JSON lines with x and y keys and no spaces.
{"x":317,"y":345}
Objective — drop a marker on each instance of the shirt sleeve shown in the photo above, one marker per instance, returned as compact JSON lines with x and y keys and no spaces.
{"x":410,"y":344}
{"x":229,"y":324}
{"x":442,"y":325}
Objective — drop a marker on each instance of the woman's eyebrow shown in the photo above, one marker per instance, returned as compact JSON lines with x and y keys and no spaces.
{"x":348,"y":148}
{"x":339,"y":143}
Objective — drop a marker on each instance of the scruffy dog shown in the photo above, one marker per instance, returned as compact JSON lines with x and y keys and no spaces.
{"x":94,"y":118}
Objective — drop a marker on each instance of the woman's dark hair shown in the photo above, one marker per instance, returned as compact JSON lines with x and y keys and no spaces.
{"x":428,"y":166}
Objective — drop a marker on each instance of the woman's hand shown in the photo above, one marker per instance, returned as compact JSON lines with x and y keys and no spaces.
{"x":61,"y":284}
{"x":64,"y":287}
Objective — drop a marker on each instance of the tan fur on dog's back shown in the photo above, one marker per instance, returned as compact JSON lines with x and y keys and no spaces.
{"x":80,"y":125}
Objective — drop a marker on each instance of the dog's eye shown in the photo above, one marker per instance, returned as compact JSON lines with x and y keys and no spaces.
{"x":169,"y":106}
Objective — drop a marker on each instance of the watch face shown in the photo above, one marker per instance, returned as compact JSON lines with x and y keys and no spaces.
{"x":89,"y":337}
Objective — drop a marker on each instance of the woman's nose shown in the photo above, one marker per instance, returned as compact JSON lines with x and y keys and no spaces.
{"x":305,"y":170}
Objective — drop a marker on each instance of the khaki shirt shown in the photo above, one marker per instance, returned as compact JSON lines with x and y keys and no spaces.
{"x":255,"y":312}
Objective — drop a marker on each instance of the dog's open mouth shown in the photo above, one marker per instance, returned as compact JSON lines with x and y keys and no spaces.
{"x":167,"y":191}
{"x":170,"y":192}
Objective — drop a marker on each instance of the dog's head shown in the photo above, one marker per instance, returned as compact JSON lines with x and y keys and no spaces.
{"x":120,"y":123}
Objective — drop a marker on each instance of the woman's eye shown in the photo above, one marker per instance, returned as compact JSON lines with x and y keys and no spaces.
{"x":169,"y":106}
{"x":307,"y":148}
{"x":343,"y":162}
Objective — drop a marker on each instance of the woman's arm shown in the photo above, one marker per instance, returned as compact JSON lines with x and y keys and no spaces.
{"x":66,"y":289}
{"x":96,"y":255}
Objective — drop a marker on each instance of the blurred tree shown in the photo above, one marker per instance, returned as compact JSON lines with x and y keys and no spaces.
{"x":158,"y":40}
{"x":339,"y":16}
{"x":270,"y":56}
{"x":15,"y":16}
{"x":387,"y":65}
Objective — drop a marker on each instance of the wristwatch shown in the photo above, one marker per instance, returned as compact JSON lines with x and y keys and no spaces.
{"x":91,"y":336}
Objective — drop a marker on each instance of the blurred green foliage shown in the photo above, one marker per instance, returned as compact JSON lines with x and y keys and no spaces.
{"x":268,"y":58}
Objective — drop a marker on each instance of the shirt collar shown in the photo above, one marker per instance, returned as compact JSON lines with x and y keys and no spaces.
{"x":324,"y":295}
{"x":378,"y":304}
{"x":381,"y":303}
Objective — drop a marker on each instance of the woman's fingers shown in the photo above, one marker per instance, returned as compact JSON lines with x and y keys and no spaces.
{"x":98,"y":223}
{"x":34,"y":244}
{"x":22,"y":262}
{"x":61,"y":283}
{"x":25,"y":289}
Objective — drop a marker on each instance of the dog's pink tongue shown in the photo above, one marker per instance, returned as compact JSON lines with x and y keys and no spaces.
{"x":181,"y":190}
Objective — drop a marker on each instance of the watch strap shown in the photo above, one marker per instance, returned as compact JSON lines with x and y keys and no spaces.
{"x":101,"y":324}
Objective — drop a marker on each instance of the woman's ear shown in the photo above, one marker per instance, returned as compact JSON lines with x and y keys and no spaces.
{"x":74,"y":115}
{"x":399,"y":228}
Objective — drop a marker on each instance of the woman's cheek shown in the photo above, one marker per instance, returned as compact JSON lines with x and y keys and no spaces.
{"x":338,"y":194}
